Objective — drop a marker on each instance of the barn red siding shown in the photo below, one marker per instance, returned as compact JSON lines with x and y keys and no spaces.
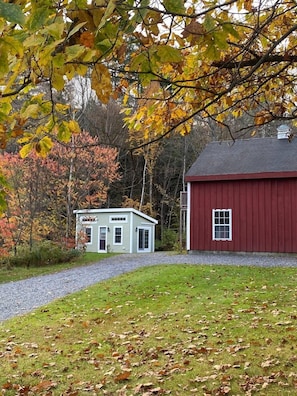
{"x":264,"y":215}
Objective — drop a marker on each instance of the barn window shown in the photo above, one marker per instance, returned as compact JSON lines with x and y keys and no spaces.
{"x":222,"y":224}
{"x":118,"y":232}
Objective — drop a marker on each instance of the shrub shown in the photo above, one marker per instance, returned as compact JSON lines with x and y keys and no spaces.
{"x":44,"y":253}
{"x":169,"y":240}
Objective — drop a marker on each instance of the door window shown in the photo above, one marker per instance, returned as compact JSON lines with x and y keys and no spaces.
{"x":144,"y":239}
{"x":102,"y":239}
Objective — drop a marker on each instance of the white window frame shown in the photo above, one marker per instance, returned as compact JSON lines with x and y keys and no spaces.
{"x":216,"y":225}
{"x":114,"y":235}
{"x":91,"y":234}
{"x":144,"y":229}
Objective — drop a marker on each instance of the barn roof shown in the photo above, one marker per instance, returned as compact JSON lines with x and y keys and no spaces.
{"x":246,"y":159}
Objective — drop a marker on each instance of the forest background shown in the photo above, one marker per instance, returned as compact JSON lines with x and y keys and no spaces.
{"x":107,"y":103}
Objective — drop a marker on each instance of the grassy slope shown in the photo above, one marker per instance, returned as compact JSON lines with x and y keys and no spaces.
{"x":178,"y":329}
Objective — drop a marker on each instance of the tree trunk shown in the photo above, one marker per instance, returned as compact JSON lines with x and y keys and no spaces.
{"x":143,"y":184}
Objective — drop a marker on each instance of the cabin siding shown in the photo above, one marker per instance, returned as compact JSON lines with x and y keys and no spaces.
{"x":264,"y":214}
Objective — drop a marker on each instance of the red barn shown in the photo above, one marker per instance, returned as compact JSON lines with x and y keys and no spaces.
{"x":242,"y":197}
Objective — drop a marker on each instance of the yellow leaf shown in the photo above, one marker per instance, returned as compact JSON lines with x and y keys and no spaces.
{"x":32,"y":111}
{"x":34,"y":41}
{"x":62,"y":108}
{"x":101,"y":82}
{"x":90,"y":55}
{"x":58,"y":81}
{"x":64,"y":132}
{"x":73,"y":126}
{"x":70,"y":71}
{"x":25,"y":150}
{"x":55,"y":30}
{"x":81,"y":70}
{"x":74,"y":52}
{"x":45,"y":145}
{"x":26,"y":138}
{"x":76,"y":28}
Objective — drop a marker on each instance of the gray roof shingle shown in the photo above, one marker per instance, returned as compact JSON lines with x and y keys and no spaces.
{"x":253,"y":156}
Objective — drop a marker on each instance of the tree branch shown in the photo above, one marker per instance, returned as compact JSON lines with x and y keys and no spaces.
{"x":252,"y":62}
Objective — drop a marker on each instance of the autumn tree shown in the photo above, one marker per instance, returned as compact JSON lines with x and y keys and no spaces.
{"x":90,"y":169}
{"x":27,"y":196}
{"x":7,"y":230}
{"x":44,"y":191}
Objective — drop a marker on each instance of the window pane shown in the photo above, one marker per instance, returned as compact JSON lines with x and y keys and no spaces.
{"x":88,"y":231}
{"x":140,"y":239}
{"x":118,"y":235}
{"x":146,"y":239}
{"x":221,"y":224}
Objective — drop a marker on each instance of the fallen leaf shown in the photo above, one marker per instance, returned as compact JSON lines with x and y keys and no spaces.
{"x":123,"y":376}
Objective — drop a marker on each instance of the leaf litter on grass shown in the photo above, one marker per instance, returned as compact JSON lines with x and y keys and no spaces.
{"x":178,"y":330}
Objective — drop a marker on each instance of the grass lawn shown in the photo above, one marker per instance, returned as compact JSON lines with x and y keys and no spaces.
{"x":162,"y":330}
{"x":18,"y":273}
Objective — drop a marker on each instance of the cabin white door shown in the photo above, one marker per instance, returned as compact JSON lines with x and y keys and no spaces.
{"x":144,"y":239}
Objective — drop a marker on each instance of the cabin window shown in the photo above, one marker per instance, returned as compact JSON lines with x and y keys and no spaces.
{"x":118,"y":235}
{"x":88,"y":219}
{"x":88,"y":232}
{"x":222,"y":224}
{"x":118,"y":219}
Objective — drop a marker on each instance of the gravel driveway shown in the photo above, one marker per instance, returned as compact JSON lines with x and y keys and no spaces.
{"x":17,"y":298}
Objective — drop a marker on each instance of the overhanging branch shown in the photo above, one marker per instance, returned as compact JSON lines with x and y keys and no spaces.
{"x":254,"y":61}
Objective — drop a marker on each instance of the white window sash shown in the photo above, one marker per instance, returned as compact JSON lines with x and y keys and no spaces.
{"x":218,"y":227}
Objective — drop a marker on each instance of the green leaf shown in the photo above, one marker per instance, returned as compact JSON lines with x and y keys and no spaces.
{"x":209,"y":23}
{"x":64,"y":132}
{"x":174,"y":6}
{"x":220,"y":40}
{"x":59,"y":60}
{"x":11,"y":12}
{"x":109,"y":10}
{"x":74,"y":52}
{"x":141,"y":12}
{"x":38,"y":18}
{"x":168,"y":54}
{"x":212,"y":52}
{"x":227,"y":27}
{"x":140,"y":63}
{"x":105,"y":45}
